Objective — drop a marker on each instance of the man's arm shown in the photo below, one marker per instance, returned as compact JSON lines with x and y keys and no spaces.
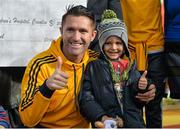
{"x":37,"y":89}
{"x":33,"y":104}
{"x":147,"y":96}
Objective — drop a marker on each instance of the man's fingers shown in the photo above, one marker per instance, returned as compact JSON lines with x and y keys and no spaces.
{"x":59,"y":63}
{"x":61,"y":78}
{"x":64,"y":75}
{"x":152,"y":86}
{"x":147,"y":96}
{"x":58,"y":85}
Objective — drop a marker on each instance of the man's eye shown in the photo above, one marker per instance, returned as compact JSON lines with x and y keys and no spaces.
{"x":70,"y":30}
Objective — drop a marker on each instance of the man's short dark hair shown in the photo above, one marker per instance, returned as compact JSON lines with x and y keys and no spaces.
{"x":78,"y":10}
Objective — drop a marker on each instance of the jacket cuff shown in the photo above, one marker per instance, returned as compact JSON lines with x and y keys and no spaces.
{"x":45,"y":91}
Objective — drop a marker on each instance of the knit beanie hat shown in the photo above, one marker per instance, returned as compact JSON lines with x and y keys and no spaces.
{"x":110,"y":25}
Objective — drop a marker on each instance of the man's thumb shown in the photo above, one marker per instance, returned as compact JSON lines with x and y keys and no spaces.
{"x":59,"y":63}
{"x":144,"y":74}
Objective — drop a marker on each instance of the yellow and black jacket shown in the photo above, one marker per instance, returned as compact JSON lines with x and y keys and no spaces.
{"x":43,"y":107}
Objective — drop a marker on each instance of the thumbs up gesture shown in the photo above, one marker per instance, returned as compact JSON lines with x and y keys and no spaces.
{"x":58,"y":79}
{"x":143,"y":81}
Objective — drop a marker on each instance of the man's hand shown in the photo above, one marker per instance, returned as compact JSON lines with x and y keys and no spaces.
{"x":143,"y":81}
{"x":147,"y":96}
{"x":59,"y":79}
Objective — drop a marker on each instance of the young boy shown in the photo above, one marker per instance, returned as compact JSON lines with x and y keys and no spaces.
{"x":112,"y":81}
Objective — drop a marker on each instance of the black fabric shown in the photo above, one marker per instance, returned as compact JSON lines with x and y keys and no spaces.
{"x":172,"y":57}
{"x":157,"y":73}
{"x":97,"y":96}
{"x":10,"y":80}
{"x":45,"y":90}
{"x":8,"y":75}
{"x":97,"y":7}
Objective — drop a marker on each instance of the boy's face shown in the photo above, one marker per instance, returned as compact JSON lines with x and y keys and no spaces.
{"x":113,"y":48}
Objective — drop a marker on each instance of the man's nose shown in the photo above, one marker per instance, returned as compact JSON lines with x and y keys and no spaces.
{"x":76,"y":36}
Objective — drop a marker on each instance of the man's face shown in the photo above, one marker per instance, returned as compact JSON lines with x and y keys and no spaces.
{"x":77,"y":33}
{"x":113,"y":48}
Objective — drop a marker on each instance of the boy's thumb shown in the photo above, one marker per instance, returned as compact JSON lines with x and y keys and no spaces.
{"x":144,"y":74}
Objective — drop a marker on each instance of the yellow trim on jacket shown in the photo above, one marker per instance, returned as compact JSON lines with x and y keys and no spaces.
{"x":59,"y":110}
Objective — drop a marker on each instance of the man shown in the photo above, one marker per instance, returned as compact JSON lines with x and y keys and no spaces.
{"x":52,"y":79}
{"x":146,"y":45}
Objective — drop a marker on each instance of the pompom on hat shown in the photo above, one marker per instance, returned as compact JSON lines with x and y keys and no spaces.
{"x":110,"y":25}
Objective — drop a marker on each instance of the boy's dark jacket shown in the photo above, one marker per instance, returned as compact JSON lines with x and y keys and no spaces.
{"x":98,"y":88}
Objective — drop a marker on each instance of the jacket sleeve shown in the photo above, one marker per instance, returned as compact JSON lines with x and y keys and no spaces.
{"x":89,"y":107}
{"x":34,"y":101}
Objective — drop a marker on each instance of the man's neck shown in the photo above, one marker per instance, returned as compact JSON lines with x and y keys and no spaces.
{"x":75,"y":59}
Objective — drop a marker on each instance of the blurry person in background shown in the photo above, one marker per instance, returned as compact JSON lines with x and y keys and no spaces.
{"x":97,"y":7}
{"x":172,"y":45}
{"x":146,"y":44}
{"x":4,"y":118}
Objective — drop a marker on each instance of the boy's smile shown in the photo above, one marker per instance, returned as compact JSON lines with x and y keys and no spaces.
{"x":113,"y":48}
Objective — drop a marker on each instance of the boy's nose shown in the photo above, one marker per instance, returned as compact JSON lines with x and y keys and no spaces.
{"x":114,"y":46}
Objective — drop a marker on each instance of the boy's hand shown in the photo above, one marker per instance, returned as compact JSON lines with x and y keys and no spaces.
{"x":108,"y":122}
{"x":143,"y":81}
{"x":101,"y":124}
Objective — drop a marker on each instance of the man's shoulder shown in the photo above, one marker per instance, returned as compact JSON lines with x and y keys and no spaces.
{"x":93,"y":55}
{"x":42,"y":58}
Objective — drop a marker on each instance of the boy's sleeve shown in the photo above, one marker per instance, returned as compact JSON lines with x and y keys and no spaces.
{"x":89,"y":107}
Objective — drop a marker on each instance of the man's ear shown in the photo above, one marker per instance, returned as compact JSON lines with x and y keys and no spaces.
{"x":61,"y":30}
{"x":93,"y":35}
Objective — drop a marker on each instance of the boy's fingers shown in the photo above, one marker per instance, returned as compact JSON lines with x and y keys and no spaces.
{"x":144,"y":74}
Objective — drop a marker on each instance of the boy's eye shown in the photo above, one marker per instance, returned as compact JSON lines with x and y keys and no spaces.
{"x":107,"y":43}
{"x":119,"y":43}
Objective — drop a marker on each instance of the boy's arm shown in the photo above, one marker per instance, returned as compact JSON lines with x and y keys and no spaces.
{"x":89,"y":107}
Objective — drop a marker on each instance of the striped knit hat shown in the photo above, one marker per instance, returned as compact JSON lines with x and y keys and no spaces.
{"x":111,"y":26}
